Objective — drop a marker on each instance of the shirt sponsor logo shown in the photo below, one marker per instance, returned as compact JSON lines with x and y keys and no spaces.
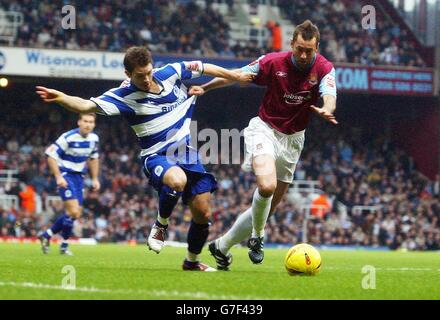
{"x":179,"y":101}
{"x":281,"y":74}
{"x":298,"y":97}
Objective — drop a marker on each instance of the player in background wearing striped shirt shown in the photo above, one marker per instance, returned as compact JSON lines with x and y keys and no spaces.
{"x":67,"y":158}
{"x":159,"y":107}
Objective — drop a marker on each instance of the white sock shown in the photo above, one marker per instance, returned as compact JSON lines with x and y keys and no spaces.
{"x":240,"y":230}
{"x":162,"y":221}
{"x":192,"y":257}
{"x":49,"y":232}
{"x":260,"y":212}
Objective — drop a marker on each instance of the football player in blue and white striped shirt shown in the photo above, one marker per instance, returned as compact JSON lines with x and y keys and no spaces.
{"x":159,"y":107}
{"x":67,"y":159}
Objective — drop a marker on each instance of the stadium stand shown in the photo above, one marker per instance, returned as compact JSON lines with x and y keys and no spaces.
{"x":343,"y":40}
{"x":116,"y":25}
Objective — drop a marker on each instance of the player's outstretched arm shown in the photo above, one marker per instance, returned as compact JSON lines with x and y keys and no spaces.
{"x":329,"y":103}
{"x":233,"y":75}
{"x":328,"y":109}
{"x":219,"y":82}
{"x":71,"y":103}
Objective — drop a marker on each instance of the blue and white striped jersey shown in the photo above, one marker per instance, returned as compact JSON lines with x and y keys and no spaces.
{"x":71,"y":150}
{"x":159,"y":120}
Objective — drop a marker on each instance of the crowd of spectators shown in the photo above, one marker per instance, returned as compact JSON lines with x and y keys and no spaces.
{"x":183,"y":27}
{"x":343,"y":38}
{"x":178,"y":27}
{"x":351,"y":170}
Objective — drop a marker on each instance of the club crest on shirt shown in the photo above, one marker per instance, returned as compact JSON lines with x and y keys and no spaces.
{"x":313,"y":79}
{"x":176,"y":90}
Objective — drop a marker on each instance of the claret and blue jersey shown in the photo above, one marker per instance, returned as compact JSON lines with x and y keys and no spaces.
{"x":291,"y":91}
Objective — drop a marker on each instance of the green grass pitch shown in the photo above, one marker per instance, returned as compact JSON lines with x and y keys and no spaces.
{"x":132,"y":272}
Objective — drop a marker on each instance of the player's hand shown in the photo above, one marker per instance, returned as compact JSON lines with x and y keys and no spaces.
{"x":325,"y":114}
{"x":246,"y":76}
{"x":196,"y":91}
{"x":49,"y":95}
{"x":61,"y":182}
{"x":96,"y":185}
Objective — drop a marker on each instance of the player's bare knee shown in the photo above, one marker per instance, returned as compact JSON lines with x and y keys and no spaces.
{"x":203,"y":211}
{"x":206,"y":215}
{"x":267,"y":189}
{"x":178,"y":183}
{"x":74,"y":213}
{"x":202,"y":217}
{"x":176,"y":179}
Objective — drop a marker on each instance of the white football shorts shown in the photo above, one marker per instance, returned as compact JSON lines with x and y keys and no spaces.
{"x":260,"y":138}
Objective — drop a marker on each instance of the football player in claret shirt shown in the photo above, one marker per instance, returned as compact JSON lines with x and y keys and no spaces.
{"x":294,"y":82}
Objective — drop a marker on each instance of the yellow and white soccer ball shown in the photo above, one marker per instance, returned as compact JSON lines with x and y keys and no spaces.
{"x":303,"y":259}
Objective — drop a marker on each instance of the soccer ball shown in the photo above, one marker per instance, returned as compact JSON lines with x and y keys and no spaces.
{"x":302,"y":259}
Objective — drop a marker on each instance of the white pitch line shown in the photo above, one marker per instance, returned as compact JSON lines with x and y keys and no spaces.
{"x":155,"y":293}
{"x":408,"y":269}
{"x":384,"y":269}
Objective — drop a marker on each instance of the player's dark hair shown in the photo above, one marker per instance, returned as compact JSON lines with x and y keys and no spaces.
{"x":308,"y":31}
{"x":92,"y":114}
{"x":137,"y":57}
